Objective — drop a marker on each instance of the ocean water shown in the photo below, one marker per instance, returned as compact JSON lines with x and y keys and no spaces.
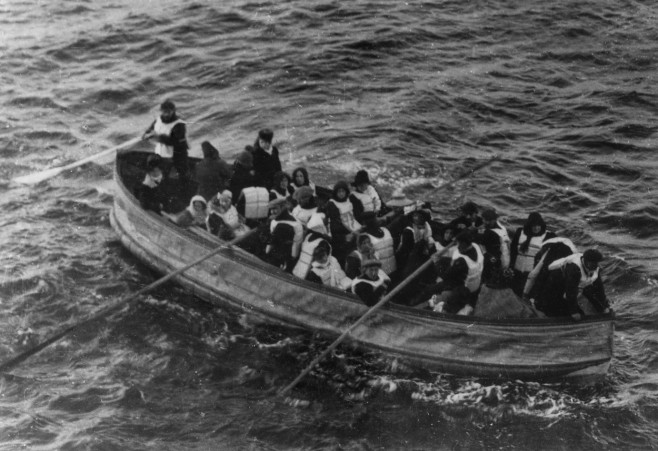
{"x":563,"y":92}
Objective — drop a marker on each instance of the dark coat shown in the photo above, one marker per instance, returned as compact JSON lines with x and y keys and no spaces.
{"x":265,"y":165}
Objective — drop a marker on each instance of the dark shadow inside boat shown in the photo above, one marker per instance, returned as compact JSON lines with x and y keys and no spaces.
{"x":131,"y":168}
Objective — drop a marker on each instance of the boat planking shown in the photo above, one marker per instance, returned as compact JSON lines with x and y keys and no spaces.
{"x":539,"y":349}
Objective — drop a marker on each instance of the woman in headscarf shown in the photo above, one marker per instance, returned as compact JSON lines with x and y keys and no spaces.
{"x":223,"y":218}
{"x":194,"y":215}
{"x":300,"y":178}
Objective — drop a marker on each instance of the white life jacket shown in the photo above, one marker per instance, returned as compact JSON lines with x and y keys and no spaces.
{"x":331,"y":274}
{"x":161,"y":128}
{"x":382,"y":278}
{"x":298,"y":237}
{"x":504,"y":244}
{"x":347,"y":214}
{"x":423,"y":233}
{"x":384,"y":250}
{"x":303,"y":215}
{"x":256,"y":202}
{"x":475,"y":268}
{"x":525,"y":261}
{"x":366,"y":200}
{"x":231,"y":218}
{"x":586,"y":278}
{"x":306,"y":256}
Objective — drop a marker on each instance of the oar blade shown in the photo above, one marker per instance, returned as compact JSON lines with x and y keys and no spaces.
{"x":37,"y":177}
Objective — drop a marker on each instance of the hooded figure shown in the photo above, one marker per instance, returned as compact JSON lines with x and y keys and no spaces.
{"x":325,"y":269}
{"x":223,"y":218}
{"x":212,"y":174}
{"x":194,"y":215}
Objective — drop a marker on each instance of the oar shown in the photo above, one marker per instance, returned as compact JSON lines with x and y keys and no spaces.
{"x":6,"y":366}
{"x":36,"y":177}
{"x":365,"y":316}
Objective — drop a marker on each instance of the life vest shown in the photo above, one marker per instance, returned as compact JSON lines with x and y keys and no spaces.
{"x":525,"y":261}
{"x":366,"y":200}
{"x":475,"y":268}
{"x":423,"y":233}
{"x":347,"y":214}
{"x":161,"y":128}
{"x":384,"y":250}
{"x":297,"y":239}
{"x":306,"y":255}
{"x":331,"y":274}
{"x":231,"y":218}
{"x":278,"y":195}
{"x":586,"y":278}
{"x":303,"y":215}
{"x":504,"y":244}
{"x":381,"y":279}
{"x":256,"y":200}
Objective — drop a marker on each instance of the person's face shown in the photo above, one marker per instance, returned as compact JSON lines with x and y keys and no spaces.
{"x":322,"y":258}
{"x":448,"y":235}
{"x":199,"y":206}
{"x":489,"y":223}
{"x":299,"y":178}
{"x":224,"y":202}
{"x":275,"y":211}
{"x":365,"y":246}
{"x":463,"y":247}
{"x":167,"y":113}
{"x":372,"y":272}
{"x":283,"y":183}
{"x":536,"y":229}
{"x":418,"y":220}
{"x":156,"y":173}
{"x":341,"y":194}
{"x":362,"y":187}
{"x":590,"y":265}
{"x":265,"y":145}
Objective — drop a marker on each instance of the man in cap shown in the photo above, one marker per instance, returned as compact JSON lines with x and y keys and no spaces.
{"x":169,"y":133}
{"x":286,"y":235}
{"x":570,"y":277}
{"x":266,"y":159}
{"x":371,"y":285}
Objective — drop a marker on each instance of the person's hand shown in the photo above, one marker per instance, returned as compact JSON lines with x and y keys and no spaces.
{"x":577,"y":316}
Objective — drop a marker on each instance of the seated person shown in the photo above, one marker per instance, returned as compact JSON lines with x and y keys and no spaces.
{"x":300,"y":178}
{"x":266,"y":159}
{"x":342,"y":224}
{"x":317,"y":235}
{"x":468,"y":219}
{"x":212,"y":174}
{"x":443,"y":237}
{"x":371,"y":285}
{"x":286,"y":234}
{"x":525,"y":245}
{"x":325,"y":269}
{"x":569,"y":277}
{"x":396,"y":220}
{"x":194,"y":215}
{"x":551,"y":250}
{"x":243,"y":173}
{"x":281,"y":188}
{"x":381,"y":240}
{"x":460,"y":279}
{"x":495,"y":243}
{"x":416,"y":243}
{"x":151,"y":192}
{"x":364,"y":251}
{"x":306,"y":204}
{"x":223,"y":218}
{"x":364,"y":197}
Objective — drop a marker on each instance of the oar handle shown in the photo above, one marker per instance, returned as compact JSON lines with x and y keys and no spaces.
{"x":365,"y":316}
{"x":6,"y":366}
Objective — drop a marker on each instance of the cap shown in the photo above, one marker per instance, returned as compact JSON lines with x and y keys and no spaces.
{"x":266,"y":135}
{"x":361,"y":177}
{"x":398,"y":199}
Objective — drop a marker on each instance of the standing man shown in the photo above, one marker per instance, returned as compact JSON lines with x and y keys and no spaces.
{"x":266,"y":159}
{"x":169,"y":133}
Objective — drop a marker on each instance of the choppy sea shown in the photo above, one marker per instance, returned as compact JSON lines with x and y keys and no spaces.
{"x":564,"y":92}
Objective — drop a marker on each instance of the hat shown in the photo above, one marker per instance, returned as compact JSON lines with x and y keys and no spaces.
{"x":226,"y":194}
{"x":371,"y":262}
{"x":276,"y":202}
{"x":245,"y":159}
{"x":153,"y":161}
{"x":489,"y":214}
{"x":209,"y":151}
{"x":398,"y":199}
{"x":266,"y":135}
{"x":303,"y":192}
{"x":361,"y":177}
